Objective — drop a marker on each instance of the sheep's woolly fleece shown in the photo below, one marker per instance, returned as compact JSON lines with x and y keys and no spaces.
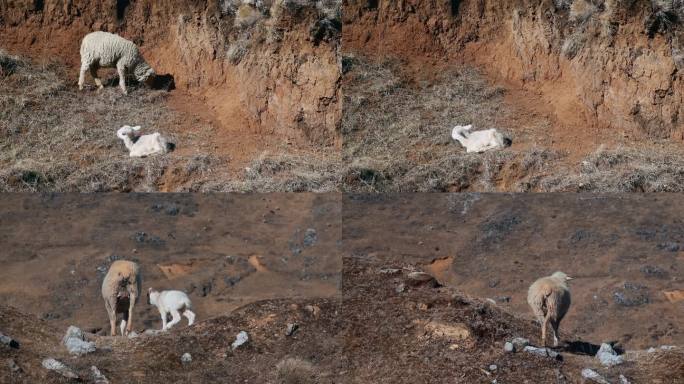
{"x":105,"y":50}
{"x":549,"y":298}
{"x":479,"y":141}
{"x":174,"y":303}
{"x":143,"y":145}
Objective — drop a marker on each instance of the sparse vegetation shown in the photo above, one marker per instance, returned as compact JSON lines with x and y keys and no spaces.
{"x":397,"y":135}
{"x":258,"y":20}
{"x":283,"y":173}
{"x":666,"y":14}
{"x":295,"y":371}
{"x":622,"y":170}
{"x":54,"y":138}
{"x":397,"y":139}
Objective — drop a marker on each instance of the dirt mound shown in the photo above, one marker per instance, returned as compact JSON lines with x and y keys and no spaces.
{"x":596,"y":64}
{"x":275,"y":70}
{"x":623,"y":255}
{"x":157,"y":358}
{"x":400,"y":332}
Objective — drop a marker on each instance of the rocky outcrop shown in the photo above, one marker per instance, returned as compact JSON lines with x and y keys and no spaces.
{"x":608,"y":64}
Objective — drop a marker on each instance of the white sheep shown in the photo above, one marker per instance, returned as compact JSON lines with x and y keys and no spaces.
{"x":143,"y":145}
{"x":479,"y":141}
{"x":549,"y":298}
{"x":120,"y":291}
{"x":173,"y":302}
{"x":107,"y":50}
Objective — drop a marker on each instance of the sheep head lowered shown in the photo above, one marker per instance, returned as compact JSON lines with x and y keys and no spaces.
{"x":144,"y":73}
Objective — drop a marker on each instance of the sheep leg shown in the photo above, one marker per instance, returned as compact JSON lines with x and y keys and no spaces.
{"x":123,"y":326}
{"x":190,"y":315}
{"x":544,"y":325}
{"x":176,"y":318}
{"x":111,"y":313}
{"x":130,"y":313}
{"x":163,"y":316}
{"x":81,"y":77}
{"x":554,"y":327}
{"x":122,"y":77}
{"x":93,"y":73}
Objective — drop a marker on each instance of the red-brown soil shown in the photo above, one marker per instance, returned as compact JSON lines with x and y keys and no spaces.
{"x":520,"y":41}
{"x":251,"y":262}
{"x":225,"y":251}
{"x":277,"y":96}
{"x":623,"y":251}
{"x":620,"y":92}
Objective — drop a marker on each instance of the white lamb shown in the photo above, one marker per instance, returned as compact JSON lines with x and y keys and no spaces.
{"x":479,"y":141}
{"x":173,"y":302}
{"x":107,"y":50}
{"x":143,"y":145}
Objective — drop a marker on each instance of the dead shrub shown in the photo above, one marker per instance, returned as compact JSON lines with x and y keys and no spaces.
{"x":295,"y":371}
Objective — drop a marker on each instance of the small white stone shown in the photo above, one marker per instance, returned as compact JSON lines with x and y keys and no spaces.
{"x":240,"y":339}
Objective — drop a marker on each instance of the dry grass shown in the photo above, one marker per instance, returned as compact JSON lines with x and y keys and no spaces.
{"x":621,"y":170}
{"x":266,"y":20}
{"x":397,"y":133}
{"x":295,"y":371}
{"x":397,"y":139}
{"x":54,"y":138}
{"x":283,"y":173}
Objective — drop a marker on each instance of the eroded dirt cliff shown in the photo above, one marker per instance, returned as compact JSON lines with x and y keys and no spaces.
{"x":272,"y":64}
{"x":612,"y":64}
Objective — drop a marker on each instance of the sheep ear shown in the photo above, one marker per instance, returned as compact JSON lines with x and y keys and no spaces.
{"x":136,"y":128}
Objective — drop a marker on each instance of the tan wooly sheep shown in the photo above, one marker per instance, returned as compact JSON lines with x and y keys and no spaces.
{"x":107,"y":50}
{"x":120,"y":291}
{"x":549,"y":298}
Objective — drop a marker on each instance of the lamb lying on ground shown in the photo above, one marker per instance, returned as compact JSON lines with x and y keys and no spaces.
{"x":107,"y":50}
{"x":174,"y":302}
{"x":549,"y":298}
{"x":143,"y":145}
{"x":120,"y":291}
{"x":479,"y":141}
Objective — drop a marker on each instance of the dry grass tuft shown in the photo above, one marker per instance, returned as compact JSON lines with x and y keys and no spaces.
{"x":397,"y":132}
{"x":283,"y":173}
{"x":295,"y":371}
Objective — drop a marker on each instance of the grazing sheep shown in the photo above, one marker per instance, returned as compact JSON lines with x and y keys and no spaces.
{"x":107,"y":50}
{"x":479,"y":141}
{"x":143,"y":145}
{"x":549,"y":298}
{"x":174,"y":302}
{"x":120,"y":291}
